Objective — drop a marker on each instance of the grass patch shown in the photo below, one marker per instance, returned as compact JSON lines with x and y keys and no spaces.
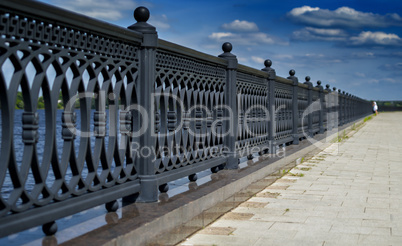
{"x":367,"y":118}
{"x":296,"y":174}
{"x":284,"y":172}
{"x":340,"y":137}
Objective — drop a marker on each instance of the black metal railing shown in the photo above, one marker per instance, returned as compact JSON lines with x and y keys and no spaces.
{"x":92,"y":112}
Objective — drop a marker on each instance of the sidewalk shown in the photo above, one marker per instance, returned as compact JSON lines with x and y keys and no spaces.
{"x":350,"y":193}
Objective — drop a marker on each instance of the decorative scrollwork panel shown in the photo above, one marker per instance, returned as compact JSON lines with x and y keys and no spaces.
{"x":189,"y":109}
{"x":302,"y":104}
{"x":283,"y":110}
{"x":315,"y":114}
{"x":252,"y":101}
{"x":65,"y":94}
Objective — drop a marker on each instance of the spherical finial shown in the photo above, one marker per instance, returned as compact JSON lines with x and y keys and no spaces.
{"x":141,"y":14}
{"x":334,"y":88}
{"x":227,"y":47}
{"x":49,"y":228}
{"x":292,"y":72}
{"x":327,"y":86}
{"x":267,"y":63}
{"x":319,"y":82}
{"x":343,"y":92}
{"x":339,"y":91}
{"x":308,"y":78}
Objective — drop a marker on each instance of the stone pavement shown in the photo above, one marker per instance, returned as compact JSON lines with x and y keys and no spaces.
{"x":348,"y":194}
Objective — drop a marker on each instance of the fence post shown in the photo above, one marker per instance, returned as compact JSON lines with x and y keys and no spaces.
{"x":345,"y":96}
{"x":322,"y":106}
{"x":341,"y":113}
{"x":336,"y":108}
{"x":328,"y":107}
{"x":271,"y":105}
{"x":350,"y":106}
{"x":231,"y":102}
{"x":346,"y":107}
{"x":145,"y":87}
{"x":309,"y":102}
{"x":295,"y":109}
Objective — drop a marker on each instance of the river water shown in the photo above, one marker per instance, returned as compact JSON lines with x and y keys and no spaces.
{"x":7,"y":185}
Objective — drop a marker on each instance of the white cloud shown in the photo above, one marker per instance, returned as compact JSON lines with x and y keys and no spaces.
{"x":220,"y":35}
{"x":284,"y":56}
{"x":383,"y":80}
{"x":160,"y":22}
{"x":344,"y":17}
{"x":319,"y":34}
{"x":257,"y":38}
{"x":363,"y":55}
{"x":365,"y":38}
{"x":390,"y":80}
{"x":257,"y":59}
{"x":392,"y":67}
{"x":361,"y":75}
{"x":241,"y":26}
{"x":242,"y":59}
{"x":373,"y":81}
{"x":314,"y":55}
{"x":314,"y":59}
{"x":376,"y":38}
{"x":244,"y":33}
{"x":262,"y":37}
{"x":100,"y":9}
{"x":327,"y":32}
{"x":303,"y":10}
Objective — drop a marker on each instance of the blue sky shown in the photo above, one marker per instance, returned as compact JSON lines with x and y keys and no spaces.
{"x":353,"y":45}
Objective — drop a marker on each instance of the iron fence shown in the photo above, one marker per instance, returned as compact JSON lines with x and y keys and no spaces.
{"x":122,"y":113}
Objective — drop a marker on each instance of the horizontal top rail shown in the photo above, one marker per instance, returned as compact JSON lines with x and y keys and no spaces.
{"x":187,"y":52}
{"x":303,"y":85}
{"x":283,"y":80}
{"x":252,"y":71}
{"x":316,"y":88}
{"x":58,"y":16}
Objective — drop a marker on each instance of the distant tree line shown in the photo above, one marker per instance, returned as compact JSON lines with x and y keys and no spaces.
{"x":19,"y":104}
{"x":389,"y":105}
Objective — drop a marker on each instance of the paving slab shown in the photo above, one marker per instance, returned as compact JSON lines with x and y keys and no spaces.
{"x":348,"y":194}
